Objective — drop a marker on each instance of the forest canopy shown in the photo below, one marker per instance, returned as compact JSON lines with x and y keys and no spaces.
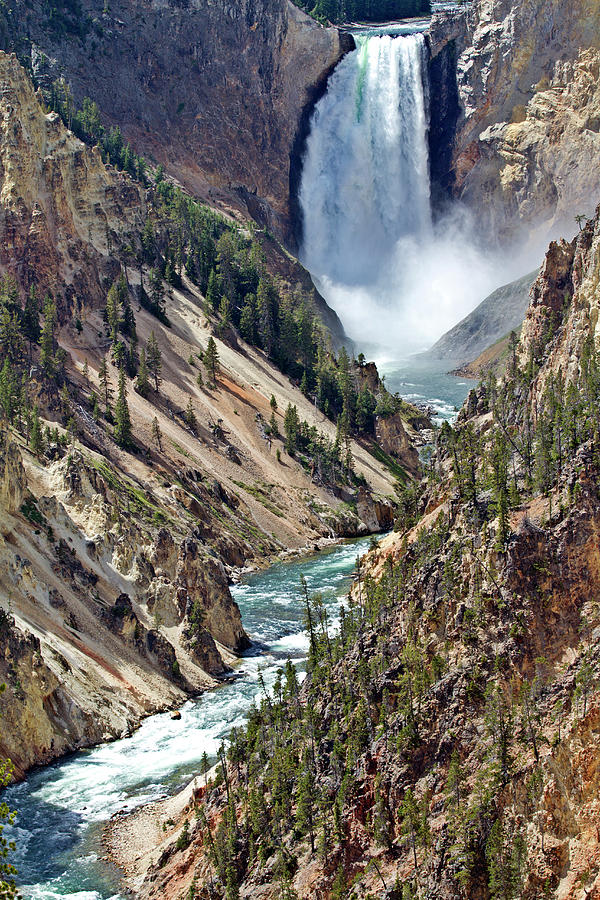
{"x":338,"y":11}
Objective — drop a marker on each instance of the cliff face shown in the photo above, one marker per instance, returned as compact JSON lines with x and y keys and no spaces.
{"x":59,"y":203}
{"x":214,"y":91}
{"x":114,"y":563}
{"x":527,"y":139}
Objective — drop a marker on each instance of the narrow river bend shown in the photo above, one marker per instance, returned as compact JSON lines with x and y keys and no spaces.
{"x":62,"y":808}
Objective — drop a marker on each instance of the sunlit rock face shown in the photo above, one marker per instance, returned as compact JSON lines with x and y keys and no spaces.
{"x":528,"y":137}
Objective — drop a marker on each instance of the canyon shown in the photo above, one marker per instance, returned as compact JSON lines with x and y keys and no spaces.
{"x":444,"y":742}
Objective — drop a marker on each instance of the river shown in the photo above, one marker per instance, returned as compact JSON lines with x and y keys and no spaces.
{"x":62,"y":808}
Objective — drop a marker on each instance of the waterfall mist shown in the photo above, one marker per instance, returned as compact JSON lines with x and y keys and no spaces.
{"x":397,"y":280}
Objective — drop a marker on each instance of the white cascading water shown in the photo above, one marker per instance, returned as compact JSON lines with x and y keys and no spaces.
{"x":396,"y":280}
{"x":365,"y":179}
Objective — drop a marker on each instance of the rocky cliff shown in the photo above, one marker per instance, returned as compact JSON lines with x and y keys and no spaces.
{"x":500,"y":313}
{"x":60,"y":204}
{"x":526,"y":139}
{"x":214,"y":91}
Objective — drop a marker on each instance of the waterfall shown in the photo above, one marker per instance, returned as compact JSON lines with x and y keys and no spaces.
{"x":396,"y":279}
{"x":365,"y":181}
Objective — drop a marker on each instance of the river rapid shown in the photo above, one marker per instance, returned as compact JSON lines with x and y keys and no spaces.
{"x":63,"y":808}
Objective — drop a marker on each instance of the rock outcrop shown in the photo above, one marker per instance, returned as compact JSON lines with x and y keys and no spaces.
{"x":214,"y":91}
{"x":527,"y":140}
{"x":60,"y":204}
{"x":448,"y":742}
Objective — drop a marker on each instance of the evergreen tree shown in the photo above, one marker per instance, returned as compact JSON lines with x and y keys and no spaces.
{"x":9,"y":390}
{"x":113,"y":311}
{"x":142,"y":385}
{"x":213,"y":291}
{"x":291,"y":424}
{"x":36,"y":438}
{"x":154,"y":359}
{"x":156,"y":433}
{"x":211,"y":360}
{"x":8,"y":888}
{"x":122,"y":429}
{"x":47,"y":337}
{"x":155,"y":284}
{"x":189,"y":417}
{"x":105,"y":385}
{"x":31,"y":319}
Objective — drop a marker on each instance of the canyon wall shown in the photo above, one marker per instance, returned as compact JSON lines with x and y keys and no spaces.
{"x":214,"y":91}
{"x":527,"y":138}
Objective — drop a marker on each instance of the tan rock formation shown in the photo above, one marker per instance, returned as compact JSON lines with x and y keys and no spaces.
{"x":59,"y":203}
{"x":528,"y":140}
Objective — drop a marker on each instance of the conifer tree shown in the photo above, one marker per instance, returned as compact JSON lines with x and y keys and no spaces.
{"x":290,"y":425}
{"x":113,"y":311}
{"x":189,"y":416}
{"x":36,"y":440}
{"x":211,"y":360}
{"x":213,"y":292}
{"x":8,"y":888}
{"x":155,"y":285}
{"x":156,"y":433}
{"x":105,"y":385}
{"x":47,"y":337}
{"x":142,"y":386}
{"x":154,"y":360}
{"x":122,"y":430}
{"x":31,"y":319}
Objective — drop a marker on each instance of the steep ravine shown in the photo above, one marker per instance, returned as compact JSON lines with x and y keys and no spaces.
{"x":446,"y":746}
{"x":115,"y":563}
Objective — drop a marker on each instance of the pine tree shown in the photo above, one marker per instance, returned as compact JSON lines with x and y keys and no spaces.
{"x":86,"y":370}
{"x":305,"y":805}
{"x":225,"y":313}
{"x":155,"y":285}
{"x":105,"y":384}
{"x":189,"y":416}
{"x":36,"y":440}
{"x":211,"y":360}
{"x":142,"y":386}
{"x":47,"y":337}
{"x":291,"y":424}
{"x":9,"y":390}
{"x":265,"y":302}
{"x":122,"y":430}
{"x":8,"y":889}
{"x":113,"y":311}
{"x":154,"y":359}
{"x":156,"y":433}
{"x":213,"y":291}
{"x":31,"y":319}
